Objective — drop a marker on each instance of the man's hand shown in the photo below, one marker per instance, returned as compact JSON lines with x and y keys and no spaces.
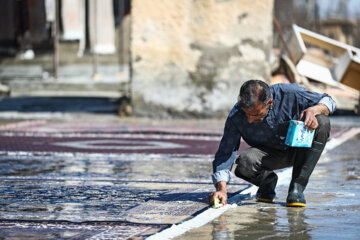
{"x":309,"y":115}
{"x":220,"y":193}
{"x":222,"y":196}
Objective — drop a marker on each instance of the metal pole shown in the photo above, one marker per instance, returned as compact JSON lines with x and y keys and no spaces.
{"x":278,"y":29}
{"x":56,"y":38}
{"x":122,"y":32}
{"x":95,"y":55}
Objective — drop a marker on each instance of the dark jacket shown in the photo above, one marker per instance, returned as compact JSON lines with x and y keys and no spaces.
{"x":289,"y":101}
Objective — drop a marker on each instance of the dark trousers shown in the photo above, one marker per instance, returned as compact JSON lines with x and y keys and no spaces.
{"x":253,"y":161}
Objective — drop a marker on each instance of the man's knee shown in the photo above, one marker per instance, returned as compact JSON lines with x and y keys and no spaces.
{"x":248,"y":165}
{"x":323,"y":131}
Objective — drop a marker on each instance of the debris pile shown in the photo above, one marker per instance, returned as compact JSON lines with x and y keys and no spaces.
{"x":321,"y":64}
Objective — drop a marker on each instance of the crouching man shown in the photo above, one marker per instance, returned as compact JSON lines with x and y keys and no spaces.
{"x":261,"y":117}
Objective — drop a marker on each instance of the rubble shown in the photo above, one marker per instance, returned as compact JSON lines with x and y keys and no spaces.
{"x":322,"y":64}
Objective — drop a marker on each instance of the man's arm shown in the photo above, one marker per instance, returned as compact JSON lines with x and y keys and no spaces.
{"x":224,"y":160}
{"x":324,"y":107}
{"x":313,"y":104}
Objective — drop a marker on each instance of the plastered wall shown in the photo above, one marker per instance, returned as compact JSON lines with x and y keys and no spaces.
{"x":190,"y":57}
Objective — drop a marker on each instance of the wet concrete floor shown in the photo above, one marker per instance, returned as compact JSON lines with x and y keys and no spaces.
{"x":115,"y":179}
{"x":332,"y":212}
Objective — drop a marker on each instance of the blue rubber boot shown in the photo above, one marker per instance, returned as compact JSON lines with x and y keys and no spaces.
{"x":304,"y":164}
{"x":266,"y":192}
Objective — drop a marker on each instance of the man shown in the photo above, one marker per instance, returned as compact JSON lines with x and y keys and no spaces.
{"x":261,"y":117}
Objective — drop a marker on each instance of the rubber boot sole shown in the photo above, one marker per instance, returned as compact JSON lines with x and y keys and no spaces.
{"x":296,"y":204}
{"x":265,"y":200}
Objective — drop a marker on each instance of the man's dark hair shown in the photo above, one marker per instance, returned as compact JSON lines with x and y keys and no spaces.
{"x":251,"y":92}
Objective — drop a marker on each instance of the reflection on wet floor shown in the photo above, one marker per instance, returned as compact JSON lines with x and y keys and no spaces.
{"x":85,"y":189}
{"x":64,"y":230}
{"x":104,"y":168}
{"x":333,"y":209}
{"x":80,"y":201}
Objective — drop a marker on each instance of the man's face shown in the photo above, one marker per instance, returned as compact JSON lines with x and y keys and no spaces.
{"x":258,"y":112}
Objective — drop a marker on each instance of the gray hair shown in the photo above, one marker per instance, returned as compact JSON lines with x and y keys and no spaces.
{"x":253,"y":91}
